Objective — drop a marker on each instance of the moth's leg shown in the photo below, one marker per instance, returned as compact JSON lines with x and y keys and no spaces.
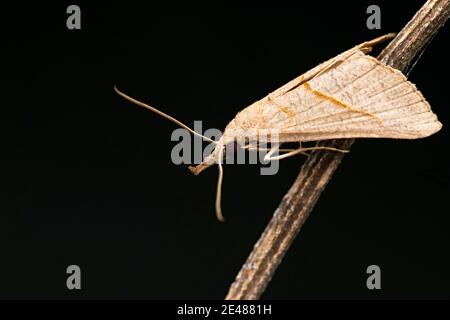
{"x":300,"y":147}
{"x":272,"y":150}
{"x":286,"y":150}
{"x":302,"y":150}
{"x":325,"y":148}
{"x":284,"y":155}
{"x":251,"y":146}
{"x":258,"y":148}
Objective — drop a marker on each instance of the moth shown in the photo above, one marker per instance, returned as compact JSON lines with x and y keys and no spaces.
{"x":352,"y":95}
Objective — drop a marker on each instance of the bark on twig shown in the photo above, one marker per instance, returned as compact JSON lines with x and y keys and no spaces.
{"x":318,"y":169}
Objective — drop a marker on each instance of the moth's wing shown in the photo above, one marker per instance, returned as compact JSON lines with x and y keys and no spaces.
{"x":252,"y":117}
{"x":360,"y":97}
{"x":317,"y":70}
{"x":329,"y":64}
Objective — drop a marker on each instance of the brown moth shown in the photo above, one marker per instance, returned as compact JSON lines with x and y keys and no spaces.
{"x":352,"y":95}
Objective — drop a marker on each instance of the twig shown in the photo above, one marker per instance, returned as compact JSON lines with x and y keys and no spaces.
{"x":318,"y":169}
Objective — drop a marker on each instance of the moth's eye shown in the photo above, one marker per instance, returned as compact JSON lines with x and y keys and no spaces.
{"x":231,"y":148}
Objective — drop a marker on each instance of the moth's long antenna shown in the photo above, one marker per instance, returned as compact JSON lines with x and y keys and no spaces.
{"x":219,"y":188}
{"x":162,"y":114}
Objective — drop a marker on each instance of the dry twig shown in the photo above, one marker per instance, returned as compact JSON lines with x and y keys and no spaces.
{"x":318,"y":169}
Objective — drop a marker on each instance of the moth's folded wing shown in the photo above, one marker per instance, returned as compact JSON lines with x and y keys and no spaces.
{"x":359,"y":98}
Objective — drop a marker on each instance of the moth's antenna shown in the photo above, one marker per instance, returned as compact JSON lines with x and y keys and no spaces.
{"x":162,"y":114}
{"x":219,"y":188}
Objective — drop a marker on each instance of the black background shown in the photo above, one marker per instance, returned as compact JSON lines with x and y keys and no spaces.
{"x":88,"y":178}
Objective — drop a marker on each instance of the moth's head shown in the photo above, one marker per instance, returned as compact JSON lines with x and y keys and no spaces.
{"x":214,"y":157}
